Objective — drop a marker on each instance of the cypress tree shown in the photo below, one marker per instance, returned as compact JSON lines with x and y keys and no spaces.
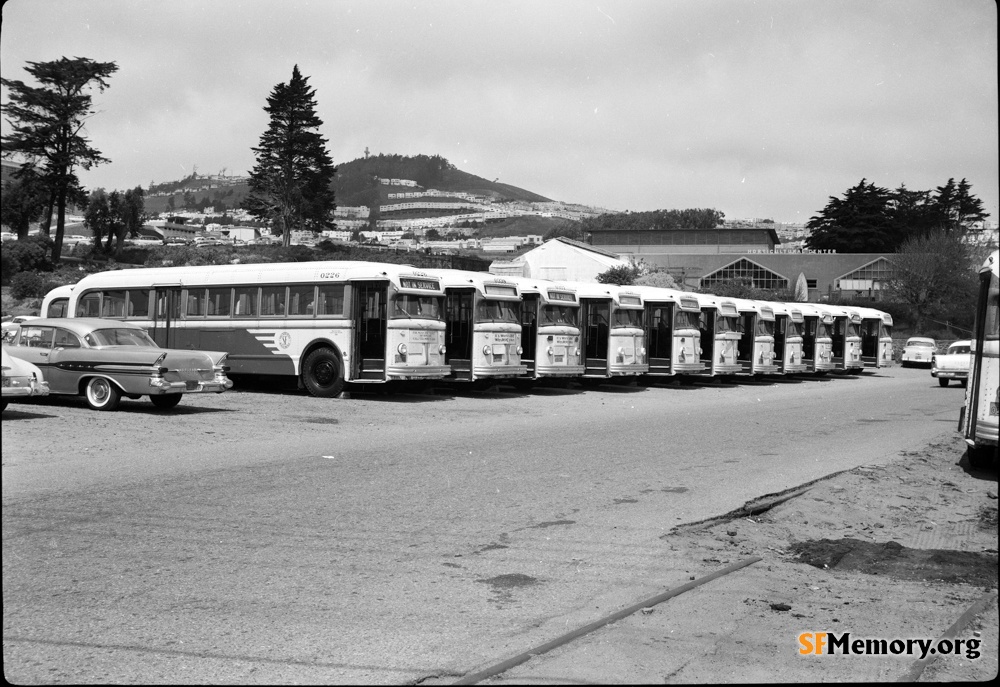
{"x":290,"y":185}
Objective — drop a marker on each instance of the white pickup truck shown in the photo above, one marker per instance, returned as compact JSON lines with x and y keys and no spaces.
{"x":954,"y":364}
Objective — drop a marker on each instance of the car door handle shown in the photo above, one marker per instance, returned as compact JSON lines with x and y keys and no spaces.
{"x":44,"y":355}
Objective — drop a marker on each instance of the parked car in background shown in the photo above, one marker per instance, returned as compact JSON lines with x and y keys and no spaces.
{"x":953,"y":364}
{"x":918,"y":350}
{"x":104,"y":360}
{"x":11,"y":325}
{"x":21,"y":379}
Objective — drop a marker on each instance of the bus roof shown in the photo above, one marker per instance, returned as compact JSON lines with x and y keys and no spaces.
{"x":623,"y":296}
{"x":256,"y":273}
{"x":485,"y":283}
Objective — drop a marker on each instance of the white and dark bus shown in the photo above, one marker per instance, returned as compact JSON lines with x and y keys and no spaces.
{"x":325,"y":323}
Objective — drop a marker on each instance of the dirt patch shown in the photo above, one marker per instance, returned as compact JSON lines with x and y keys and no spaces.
{"x":900,"y":550}
{"x":896,"y":560}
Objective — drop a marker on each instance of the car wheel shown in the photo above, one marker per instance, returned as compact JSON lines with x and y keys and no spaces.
{"x":166,"y":401}
{"x":102,"y":394}
{"x":942,"y":382}
{"x":322,"y":373}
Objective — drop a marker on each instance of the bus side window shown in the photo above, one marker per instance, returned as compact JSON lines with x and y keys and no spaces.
{"x":219,"y":302}
{"x":245,"y":301}
{"x":195,"y":303}
{"x":272,"y":301}
{"x":138,"y":303}
{"x":113,"y":304}
{"x":331,"y":299}
{"x":300,"y":300}
{"x":89,"y":306}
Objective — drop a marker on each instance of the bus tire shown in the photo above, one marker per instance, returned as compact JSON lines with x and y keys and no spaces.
{"x":981,"y":457}
{"x":102,"y":394}
{"x":166,"y":401}
{"x":942,"y":381}
{"x":323,"y":374}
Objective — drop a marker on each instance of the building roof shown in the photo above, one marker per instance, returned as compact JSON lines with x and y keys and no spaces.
{"x":588,"y":247}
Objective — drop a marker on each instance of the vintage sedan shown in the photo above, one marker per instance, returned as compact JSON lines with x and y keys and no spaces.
{"x":918,"y":350}
{"x":954,"y":364}
{"x":104,"y":360}
{"x":21,"y":379}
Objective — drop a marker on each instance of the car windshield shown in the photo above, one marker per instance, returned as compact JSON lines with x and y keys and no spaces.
{"x":964,"y":348}
{"x":119,"y":336}
{"x":559,"y":314}
{"x":920,"y":344}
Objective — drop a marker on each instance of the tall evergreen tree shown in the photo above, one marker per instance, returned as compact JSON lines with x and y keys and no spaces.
{"x":291,"y":183}
{"x":47,"y":123}
{"x":860,"y":222}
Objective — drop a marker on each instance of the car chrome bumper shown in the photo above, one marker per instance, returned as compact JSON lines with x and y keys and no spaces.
{"x":161,"y":386}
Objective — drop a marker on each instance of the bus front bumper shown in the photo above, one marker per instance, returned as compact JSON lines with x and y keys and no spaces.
{"x":558,"y":370}
{"x":500,"y":371}
{"x":400,"y":372}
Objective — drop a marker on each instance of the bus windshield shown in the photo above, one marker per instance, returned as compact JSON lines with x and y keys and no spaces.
{"x":686,"y":320}
{"x":852,"y":330}
{"x":559,"y":314}
{"x":409,"y":306}
{"x":822,"y":330}
{"x":765,"y":327}
{"x":628,"y":318}
{"x":793,"y":328}
{"x":727,"y":324}
{"x":497,"y":311}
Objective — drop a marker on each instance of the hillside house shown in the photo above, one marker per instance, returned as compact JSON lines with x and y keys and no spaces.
{"x":560,"y":259}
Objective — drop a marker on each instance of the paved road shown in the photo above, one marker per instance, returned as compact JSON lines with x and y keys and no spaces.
{"x":273,"y":537}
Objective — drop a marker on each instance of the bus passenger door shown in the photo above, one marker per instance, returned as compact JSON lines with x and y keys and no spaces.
{"x":745,"y":346}
{"x":809,"y":339}
{"x":596,"y":331}
{"x":458,"y":318}
{"x":369,"y":313}
{"x":706,"y":324}
{"x":869,"y":341}
{"x":529,"y":331}
{"x":167,"y":308}
{"x":660,"y":334}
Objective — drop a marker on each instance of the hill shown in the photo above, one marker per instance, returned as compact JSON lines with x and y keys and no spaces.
{"x":355,"y":185}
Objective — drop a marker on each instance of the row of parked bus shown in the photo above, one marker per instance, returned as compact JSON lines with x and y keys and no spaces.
{"x":328,"y":323}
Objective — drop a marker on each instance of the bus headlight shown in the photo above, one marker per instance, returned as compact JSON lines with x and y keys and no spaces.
{"x":549,"y":351}
{"x":442,"y":348}
{"x":487,"y":350}
{"x":519,"y":350}
{"x":401,"y":348}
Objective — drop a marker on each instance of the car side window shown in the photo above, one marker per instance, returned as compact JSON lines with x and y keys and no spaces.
{"x":66,"y":339}
{"x":36,"y":337}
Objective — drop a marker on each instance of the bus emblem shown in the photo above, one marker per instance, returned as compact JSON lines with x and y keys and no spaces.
{"x":285,"y":340}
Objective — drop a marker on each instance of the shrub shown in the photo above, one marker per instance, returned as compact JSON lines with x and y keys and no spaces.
{"x":26,"y":285}
{"x":34,"y":253}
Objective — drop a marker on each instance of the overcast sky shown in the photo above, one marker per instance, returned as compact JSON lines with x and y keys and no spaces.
{"x":757,"y":109}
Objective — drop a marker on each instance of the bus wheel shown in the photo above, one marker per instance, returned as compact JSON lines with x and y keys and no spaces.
{"x":981,"y":457}
{"x":322,"y":373}
{"x":166,"y":401}
{"x":102,"y":394}
{"x":942,"y":382}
